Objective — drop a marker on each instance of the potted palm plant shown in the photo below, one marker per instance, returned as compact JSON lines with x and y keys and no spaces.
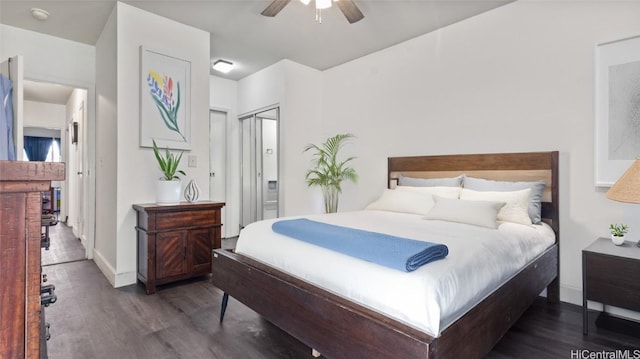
{"x":169,"y":185}
{"x":328,"y":172}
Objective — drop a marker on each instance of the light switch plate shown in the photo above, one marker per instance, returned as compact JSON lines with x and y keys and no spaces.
{"x":193,"y":160}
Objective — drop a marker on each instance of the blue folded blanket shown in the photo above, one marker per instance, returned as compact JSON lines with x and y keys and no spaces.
{"x":394,"y":252}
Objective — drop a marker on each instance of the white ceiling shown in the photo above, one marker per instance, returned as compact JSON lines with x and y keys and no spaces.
{"x":46,"y":92}
{"x":240,"y":34}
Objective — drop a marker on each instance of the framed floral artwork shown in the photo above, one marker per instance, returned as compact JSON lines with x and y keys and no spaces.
{"x":165,"y":103}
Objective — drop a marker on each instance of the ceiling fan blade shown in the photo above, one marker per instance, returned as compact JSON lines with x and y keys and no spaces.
{"x":274,"y":8}
{"x":350,"y":10}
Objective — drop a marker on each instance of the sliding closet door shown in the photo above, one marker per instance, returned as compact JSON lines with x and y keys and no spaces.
{"x":259,"y":168}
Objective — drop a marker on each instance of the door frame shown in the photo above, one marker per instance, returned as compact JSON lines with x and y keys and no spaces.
{"x":89,"y":180}
{"x":249,"y":115}
{"x":227,"y":174}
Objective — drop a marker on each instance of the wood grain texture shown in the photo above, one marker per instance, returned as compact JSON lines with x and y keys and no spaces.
{"x":360,"y":332}
{"x":12,"y":274}
{"x":33,"y":277}
{"x":21,"y":184}
{"x":31,"y":171}
{"x":175,"y":241}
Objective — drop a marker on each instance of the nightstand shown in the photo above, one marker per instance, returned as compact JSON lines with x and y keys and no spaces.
{"x":611,"y":276}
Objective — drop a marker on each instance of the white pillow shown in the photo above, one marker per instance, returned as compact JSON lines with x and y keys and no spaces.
{"x":403,"y":202}
{"x":446,"y":192}
{"x":516,"y":209}
{"x":477,"y":213}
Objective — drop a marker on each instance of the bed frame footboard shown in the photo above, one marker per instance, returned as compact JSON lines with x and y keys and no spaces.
{"x":330,"y":324}
{"x":338,"y":328}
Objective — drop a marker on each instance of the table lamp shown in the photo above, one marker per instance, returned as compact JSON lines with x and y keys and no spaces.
{"x":627,"y":187}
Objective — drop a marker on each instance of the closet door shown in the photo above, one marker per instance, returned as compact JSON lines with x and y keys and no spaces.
{"x":260,"y":167}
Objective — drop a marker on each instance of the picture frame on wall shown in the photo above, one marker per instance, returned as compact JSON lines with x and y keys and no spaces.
{"x":165,"y":100}
{"x":617,"y":108}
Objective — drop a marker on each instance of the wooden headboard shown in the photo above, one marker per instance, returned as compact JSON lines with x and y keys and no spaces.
{"x":529,"y":166}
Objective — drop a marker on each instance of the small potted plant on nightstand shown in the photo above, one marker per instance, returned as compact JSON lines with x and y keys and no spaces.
{"x":617,"y":233}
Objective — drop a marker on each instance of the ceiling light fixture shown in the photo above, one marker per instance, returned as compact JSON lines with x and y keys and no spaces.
{"x":39,"y":14}
{"x":320,"y":5}
{"x":223,"y":66}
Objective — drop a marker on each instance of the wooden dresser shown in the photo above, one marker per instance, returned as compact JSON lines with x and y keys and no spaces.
{"x":21,"y":187}
{"x":175,"y":242}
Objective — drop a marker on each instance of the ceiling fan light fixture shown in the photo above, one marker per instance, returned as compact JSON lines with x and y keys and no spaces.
{"x":223,"y":66}
{"x":306,"y":2}
{"x":39,"y":14}
{"x":323,"y":4}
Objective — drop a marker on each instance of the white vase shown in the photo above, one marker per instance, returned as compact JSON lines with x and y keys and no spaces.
{"x":192,"y":191}
{"x":617,"y":240}
{"x":168,"y":191}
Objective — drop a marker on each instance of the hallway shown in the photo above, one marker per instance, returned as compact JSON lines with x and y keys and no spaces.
{"x":65,"y":247}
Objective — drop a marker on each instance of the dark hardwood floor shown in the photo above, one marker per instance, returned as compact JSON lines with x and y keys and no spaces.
{"x":65,"y":247}
{"x":93,"y":320}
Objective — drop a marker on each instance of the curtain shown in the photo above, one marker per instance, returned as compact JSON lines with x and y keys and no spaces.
{"x":37,"y":148}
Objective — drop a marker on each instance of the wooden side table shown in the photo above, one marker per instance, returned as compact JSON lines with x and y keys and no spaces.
{"x":175,"y":241}
{"x":611,"y":276}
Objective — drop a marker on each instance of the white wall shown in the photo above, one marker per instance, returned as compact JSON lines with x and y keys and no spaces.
{"x":56,"y":60}
{"x":49,"y":58}
{"x":106,"y":143}
{"x":136,"y":169}
{"x":223,"y":96}
{"x":518,"y":78}
{"x":297,"y":89}
{"x":45,"y":115}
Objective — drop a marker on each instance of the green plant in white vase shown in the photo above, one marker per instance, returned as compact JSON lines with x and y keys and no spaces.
{"x":168,"y":163}
{"x":169,"y":185}
{"x":328,"y":171}
{"x":617,"y":233}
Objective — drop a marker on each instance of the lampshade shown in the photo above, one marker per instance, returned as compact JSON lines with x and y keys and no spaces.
{"x":627,"y":187}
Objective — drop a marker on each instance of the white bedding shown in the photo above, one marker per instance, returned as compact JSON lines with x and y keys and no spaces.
{"x":429,"y":298}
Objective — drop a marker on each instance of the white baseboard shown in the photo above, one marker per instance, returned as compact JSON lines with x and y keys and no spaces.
{"x":116,"y":279}
{"x":88,"y":251}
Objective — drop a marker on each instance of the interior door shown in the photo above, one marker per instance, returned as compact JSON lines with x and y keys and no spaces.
{"x":79,"y":173}
{"x":13,"y":68}
{"x":260,"y":167}
{"x":249,"y":172}
{"x":218,"y":160}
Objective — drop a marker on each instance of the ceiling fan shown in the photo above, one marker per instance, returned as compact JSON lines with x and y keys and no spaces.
{"x":348,"y":8}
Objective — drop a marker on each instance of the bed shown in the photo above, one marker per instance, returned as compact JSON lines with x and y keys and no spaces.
{"x":338,"y":327}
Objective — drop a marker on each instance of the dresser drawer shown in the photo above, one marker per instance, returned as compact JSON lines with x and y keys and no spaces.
{"x":613,"y":280}
{"x":185,"y":219}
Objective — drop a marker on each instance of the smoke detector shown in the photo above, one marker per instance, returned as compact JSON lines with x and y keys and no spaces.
{"x":39,"y":14}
